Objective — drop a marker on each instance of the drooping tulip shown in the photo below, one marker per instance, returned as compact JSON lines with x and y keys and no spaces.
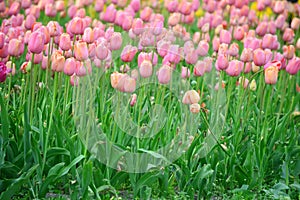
{"x":191,"y":97}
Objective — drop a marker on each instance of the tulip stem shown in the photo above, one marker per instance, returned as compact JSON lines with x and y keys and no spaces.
{"x":31,"y":90}
{"x":50,"y":120}
{"x":66,"y":97}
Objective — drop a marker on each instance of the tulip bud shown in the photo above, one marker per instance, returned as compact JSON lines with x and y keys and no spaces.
{"x":295,"y":23}
{"x":199,"y":68}
{"x":185,"y":72}
{"x":222,"y":62}
{"x":225,"y":36}
{"x":76,"y":26}
{"x":74,"y":80}
{"x":288,"y":51}
{"x":247,"y":55}
{"x":58,"y":61}
{"x":115,"y":41}
{"x":133,"y":99}
{"x":128,"y":53}
{"x":15,"y":47}
{"x":164,"y":74}
{"x":293,"y":66}
{"x":238,"y":33}
{"x":88,"y":35}
{"x":288,"y":35}
{"x":253,"y":85}
{"x":195,"y":108}
{"x":259,"y":57}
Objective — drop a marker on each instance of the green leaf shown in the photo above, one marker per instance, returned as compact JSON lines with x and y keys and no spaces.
{"x":66,"y":169}
{"x":55,"y":151}
{"x":280,"y":186}
{"x":87,"y":175}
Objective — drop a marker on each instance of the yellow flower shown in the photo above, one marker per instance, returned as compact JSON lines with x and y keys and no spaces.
{"x":199,"y":13}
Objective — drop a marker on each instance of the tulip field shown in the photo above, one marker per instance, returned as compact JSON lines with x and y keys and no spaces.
{"x":149,"y":99}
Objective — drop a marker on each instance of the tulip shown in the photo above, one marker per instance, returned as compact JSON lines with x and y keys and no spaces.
{"x":195,"y":108}
{"x":288,"y":51}
{"x":25,"y":4}
{"x":146,"y":69}
{"x":135,"y":5}
{"x":102,"y":52}
{"x":253,"y":85}
{"x":15,"y":47}
{"x":88,"y":35}
{"x":164,"y":74}
{"x":50,"y":10}
{"x":76,"y":26}
{"x":295,"y":25}
{"x":222,"y":62}
{"x":233,"y":49}
{"x":128,"y":53}
{"x":137,"y":26}
{"x":2,"y":40}
{"x":259,"y":57}
{"x":110,"y":14}
{"x":191,"y":57}
{"x":185,"y":7}
{"x":216,"y":43}
{"x":185,"y":72}
{"x":4,"y":51}
{"x":199,"y":68}
{"x":225,"y":36}
{"x":3,"y":72}
{"x":146,"y":13}
{"x":81,"y":51}
{"x":36,"y":42}
{"x":14,"y":8}
{"x":133,"y":99}
{"x":293,"y":66}
{"x":244,"y":81}
{"x":74,"y":80}
{"x":127,"y":22}
{"x":234,"y":68}
{"x":124,"y":68}
{"x":288,"y":35}
{"x":269,"y":41}
{"x":172,"y":6}
{"x":261,"y":29}
{"x":298,"y":44}
{"x":30,"y":20}
{"x":58,"y":61}
{"x":247,"y":55}
{"x":190,"y":97}
{"x":38,"y":58}
{"x":115,"y":41}
{"x":238,"y":33}
{"x":72,"y":11}
{"x":65,"y":42}
{"x":203,"y":48}
{"x":271,"y":75}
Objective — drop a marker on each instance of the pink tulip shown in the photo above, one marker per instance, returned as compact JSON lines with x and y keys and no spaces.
{"x":288,"y":51}
{"x":146,"y":14}
{"x":234,"y":68}
{"x":199,"y":68}
{"x":203,"y":48}
{"x":164,"y":74}
{"x":14,"y":8}
{"x":185,"y":72}
{"x":135,"y":5}
{"x":172,"y":6}
{"x":58,"y":61}
{"x":76,"y":26}
{"x":147,"y":56}
{"x":36,"y":42}
{"x":190,"y":97}
{"x":81,"y":51}
{"x":110,"y":14}
{"x":137,"y":26}
{"x":259,"y":57}
{"x":233,"y":50}
{"x":133,"y":99}
{"x":293,"y":66}
{"x":247,"y":55}
{"x":102,"y":52}
{"x":216,"y":44}
{"x":115,"y":41}
{"x":70,"y":66}
{"x":225,"y":36}
{"x":38,"y":58}
{"x":15,"y":47}
{"x":4,"y":51}
{"x":191,"y":57}
{"x":238,"y":33}
{"x":222,"y":62}
{"x":271,"y":75}
{"x":295,"y":25}
{"x":50,"y":10}
{"x":88,"y":35}
{"x":2,"y":40}
{"x":128,"y":53}
{"x":74,"y":80}
{"x":146,"y":69}
{"x":288,"y":35}
{"x":30,"y":20}
{"x":262,"y":28}
{"x":65,"y":42}
{"x":25,"y":4}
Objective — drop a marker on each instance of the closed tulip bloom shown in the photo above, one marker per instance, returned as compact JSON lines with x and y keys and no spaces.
{"x":238,"y":33}
{"x":216,"y":44}
{"x":133,"y":99}
{"x":172,"y":6}
{"x":115,"y":41}
{"x":128,"y":85}
{"x":81,"y":51}
{"x":70,"y":66}
{"x":233,"y":49}
{"x":247,"y":68}
{"x":269,"y":55}
{"x":261,"y":29}
{"x":164,"y":74}
{"x":76,"y":26}
{"x":3,"y":72}
{"x":137,"y":26}
{"x":185,"y":72}
{"x":74,"y":80}
{"x":54,"y":28}
{"x":195,"y":108}
{"x":102,"y":51}
{"x":279,"y":22}
{"x":185,"y":7}
{"x":191,"y":57}
{"x":110,"y":14}
{"x":234,"y":68}
{"x":128,"y":53}
{"x":88,"y":35}
{"x":36,"y":42}
{"x":298,"y":44}
{"x":288,"y":51}
{"x":135,"y":5}
{"x":4,"y":51}
{"x":124,"y":68}
{"x":147,"y":56}
{"x":146,"y":14}
{"x":65,"y":42}
{"x":270,"y":42}
{"x":279,"y":7}
{"x":222,"y":62}
{"x":203,"y":48}
{"x":30,"y":20}
{"x":259,"y":57}
{"x":225,"y":36}
{"x":115,"y":79}
{"x":244,"y":81}
{"x":58,"y":61}
{"x":288,"y":35}
{"x":14,"y":8}
{"x":272,"y":27}
{"x":146,"y":69}
{"x":295,"y":23}
{"x":72,"y":11}
{"x":38,"y":58}
{"x":127,"y":22}
{"x":247,"y":55}
{"x":293,"y":66}
{"x":50,"y":10}
{"x":271,"y":75}
{"x":190,"y":97}
{"x":25,"y":4}
{"x":253,"y":85}
{"x":199,"y":68}
{"x":15,"y":47}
